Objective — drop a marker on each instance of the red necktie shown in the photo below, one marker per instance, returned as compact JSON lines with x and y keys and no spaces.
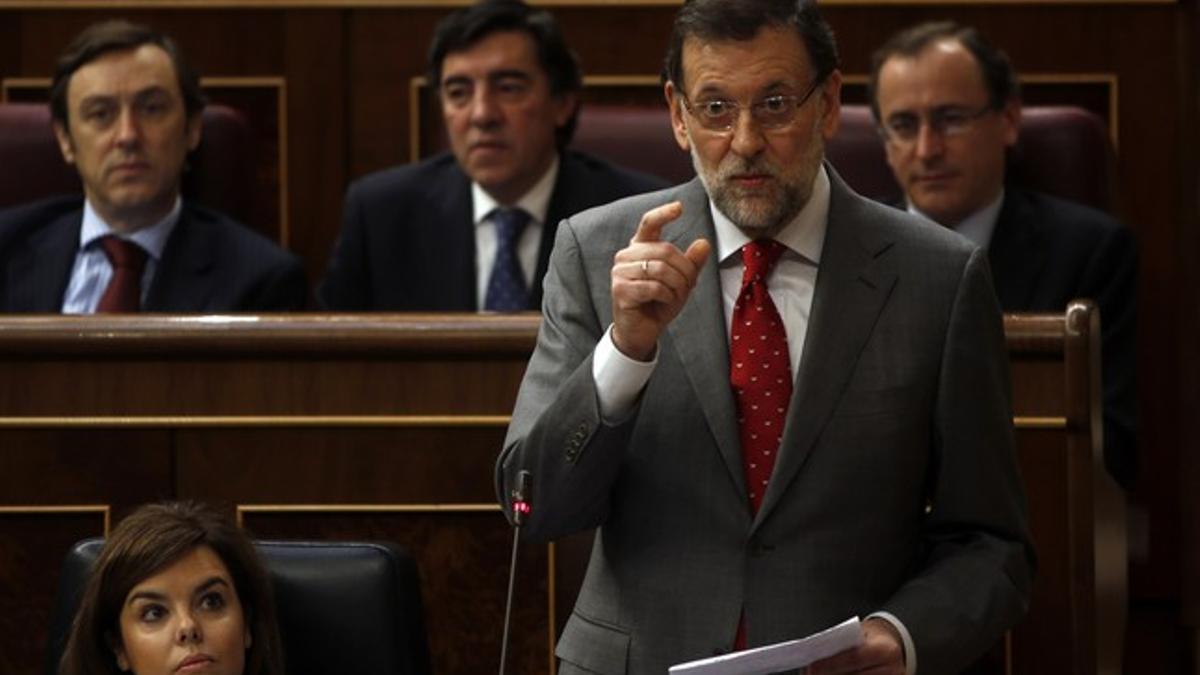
{"x":124,"y":291}
{"x":760,"y":370}
{"x":761,"y":375}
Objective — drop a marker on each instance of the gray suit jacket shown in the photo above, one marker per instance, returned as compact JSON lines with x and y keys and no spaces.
{"x":895,"y":488}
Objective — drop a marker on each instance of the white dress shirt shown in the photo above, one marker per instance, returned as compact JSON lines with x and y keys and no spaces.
{"x":92,"y":271}
{"x":979,"y":226}
{"x":535,"y":202}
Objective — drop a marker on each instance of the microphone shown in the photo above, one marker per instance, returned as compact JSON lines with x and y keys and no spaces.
{"x":520,"y":496}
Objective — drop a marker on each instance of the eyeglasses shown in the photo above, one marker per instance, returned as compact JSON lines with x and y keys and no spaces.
{"x":771,"y":112}
{"x":904,"y":128}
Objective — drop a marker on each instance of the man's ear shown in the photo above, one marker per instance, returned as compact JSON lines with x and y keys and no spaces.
{"x":1010,"y":116}
{"x":831,"y":104}
{"x":565,"y":106}
{"x":195,"y":124}
{"x":678,"y":123}
{"x":65,"y":145}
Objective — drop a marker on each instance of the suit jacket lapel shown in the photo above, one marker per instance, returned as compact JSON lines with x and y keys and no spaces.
{"x":450,"y":238}
{"x":699,"y":336}
{"x":38,"y":275}
{"x":854,"y":281}
{"x":1014,"y":254}
{"x":570,"y":186}
{"x":183,"y":277}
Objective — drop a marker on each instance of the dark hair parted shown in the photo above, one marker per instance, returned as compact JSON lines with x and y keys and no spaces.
{"x":118,"y":35}
{"x":152,"y":538}
{"x":741,"y":20}
{"x":998,"y":74}
{"x":466,"y":27}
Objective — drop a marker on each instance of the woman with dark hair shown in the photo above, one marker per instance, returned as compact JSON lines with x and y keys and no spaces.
{"x":178,"y":588}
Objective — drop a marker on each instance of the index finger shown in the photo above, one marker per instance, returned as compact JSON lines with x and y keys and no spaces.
{"x":651,"y":225}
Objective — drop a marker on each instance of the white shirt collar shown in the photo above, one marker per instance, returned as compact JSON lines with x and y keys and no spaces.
{"x":979,"y":226}
{"x":804,"y":235}
{"x":535,"y":202}
{"x":153,"y":238}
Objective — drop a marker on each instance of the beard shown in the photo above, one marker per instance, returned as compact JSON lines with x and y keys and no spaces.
{"x":764,"y":210}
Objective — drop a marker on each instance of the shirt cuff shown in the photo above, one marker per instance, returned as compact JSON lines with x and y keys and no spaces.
{"x":910,"y":651}
{"x":619,"y":379}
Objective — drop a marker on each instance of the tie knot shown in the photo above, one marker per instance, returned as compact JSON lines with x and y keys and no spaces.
{"x":123,"y":254}
{"x":509,"y":223}
{"x":758,"y":257}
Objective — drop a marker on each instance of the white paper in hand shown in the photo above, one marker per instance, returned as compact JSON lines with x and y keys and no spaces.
{"x":781,"y":656}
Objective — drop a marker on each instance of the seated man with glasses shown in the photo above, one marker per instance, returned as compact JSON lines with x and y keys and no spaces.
{"x":948,"y":107}
{"x":780,"y":403}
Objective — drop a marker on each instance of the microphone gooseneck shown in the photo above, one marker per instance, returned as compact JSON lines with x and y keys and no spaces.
{"x":520,"y":508}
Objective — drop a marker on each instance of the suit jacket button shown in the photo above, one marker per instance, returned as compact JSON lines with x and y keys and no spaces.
{"x":759,"y":549}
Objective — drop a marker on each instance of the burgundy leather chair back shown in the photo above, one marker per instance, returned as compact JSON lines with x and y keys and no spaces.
{"x":1062,"y":150}
{"x":221,"y":171}
{"x":635,"y":137}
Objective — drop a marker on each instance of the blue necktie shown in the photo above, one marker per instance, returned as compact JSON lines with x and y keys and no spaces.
{"x":506,"y":291}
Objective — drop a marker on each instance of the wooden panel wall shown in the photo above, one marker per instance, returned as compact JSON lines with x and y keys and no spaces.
{"x":387,"y":427}
{"x":347,"y":69}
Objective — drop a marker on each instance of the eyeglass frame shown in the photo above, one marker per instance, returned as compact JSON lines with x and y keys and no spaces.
{"x":737,"y":107}
{"x":936,"y":120}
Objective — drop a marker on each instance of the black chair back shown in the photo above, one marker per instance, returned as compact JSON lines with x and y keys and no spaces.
{"x":344,"y":607}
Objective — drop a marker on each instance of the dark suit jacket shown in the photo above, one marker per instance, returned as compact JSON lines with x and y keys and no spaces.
{"x":901,"y":402}
{"x":1046,"y":252}
{"x":408,"y":236}
{"x":210,"y":263}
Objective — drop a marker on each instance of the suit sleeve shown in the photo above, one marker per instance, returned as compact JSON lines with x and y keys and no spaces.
{"x":346,"y":285}
{"x":556,"y":432}
{"x":977,"y":572}
{"x":283,"y":288}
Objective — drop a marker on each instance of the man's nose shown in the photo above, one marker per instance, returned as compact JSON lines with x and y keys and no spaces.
{"x":929,"y":141}
{"x":485,"y":111}
{"x":748,"y":139}
{"x":128,"y":128}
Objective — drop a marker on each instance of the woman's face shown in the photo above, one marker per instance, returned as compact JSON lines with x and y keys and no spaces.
{"x":184,"y":620}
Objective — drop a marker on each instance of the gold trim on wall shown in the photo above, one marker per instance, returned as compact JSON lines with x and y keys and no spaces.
{"x":10,"y":83}
{"x":1022,"y":422}
{"x":253,"y":421}
{"x":1111,"y":80}
{"x":243,"y":509}
{"x":55,"y":509}
{"x":279,"y":83}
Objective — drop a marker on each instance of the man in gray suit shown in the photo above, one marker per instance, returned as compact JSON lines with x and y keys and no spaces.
{"x":738,"y":505}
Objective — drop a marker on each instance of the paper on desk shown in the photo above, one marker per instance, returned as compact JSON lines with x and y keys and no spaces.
{"x":779,"y":656}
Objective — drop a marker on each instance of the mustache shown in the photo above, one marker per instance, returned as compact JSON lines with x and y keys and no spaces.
{"x":735,"y":165}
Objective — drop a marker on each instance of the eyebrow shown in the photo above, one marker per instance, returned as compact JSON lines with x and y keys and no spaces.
{"x":490,"y":76}
{"x":141,"y":94}
{"x":771,"y":89}
{"x":156,"y":595}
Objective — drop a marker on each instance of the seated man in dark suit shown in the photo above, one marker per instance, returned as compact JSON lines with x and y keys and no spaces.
{"x":126,"y":111}
{"x":948,"y":107}
{"x":473,"y":229}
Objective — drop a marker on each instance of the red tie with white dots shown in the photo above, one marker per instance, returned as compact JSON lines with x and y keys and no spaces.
{"x":761,"y":375}
{"x":760,"y":371}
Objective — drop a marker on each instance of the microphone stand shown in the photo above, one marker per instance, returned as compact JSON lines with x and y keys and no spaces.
{"x":520,"y":508}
